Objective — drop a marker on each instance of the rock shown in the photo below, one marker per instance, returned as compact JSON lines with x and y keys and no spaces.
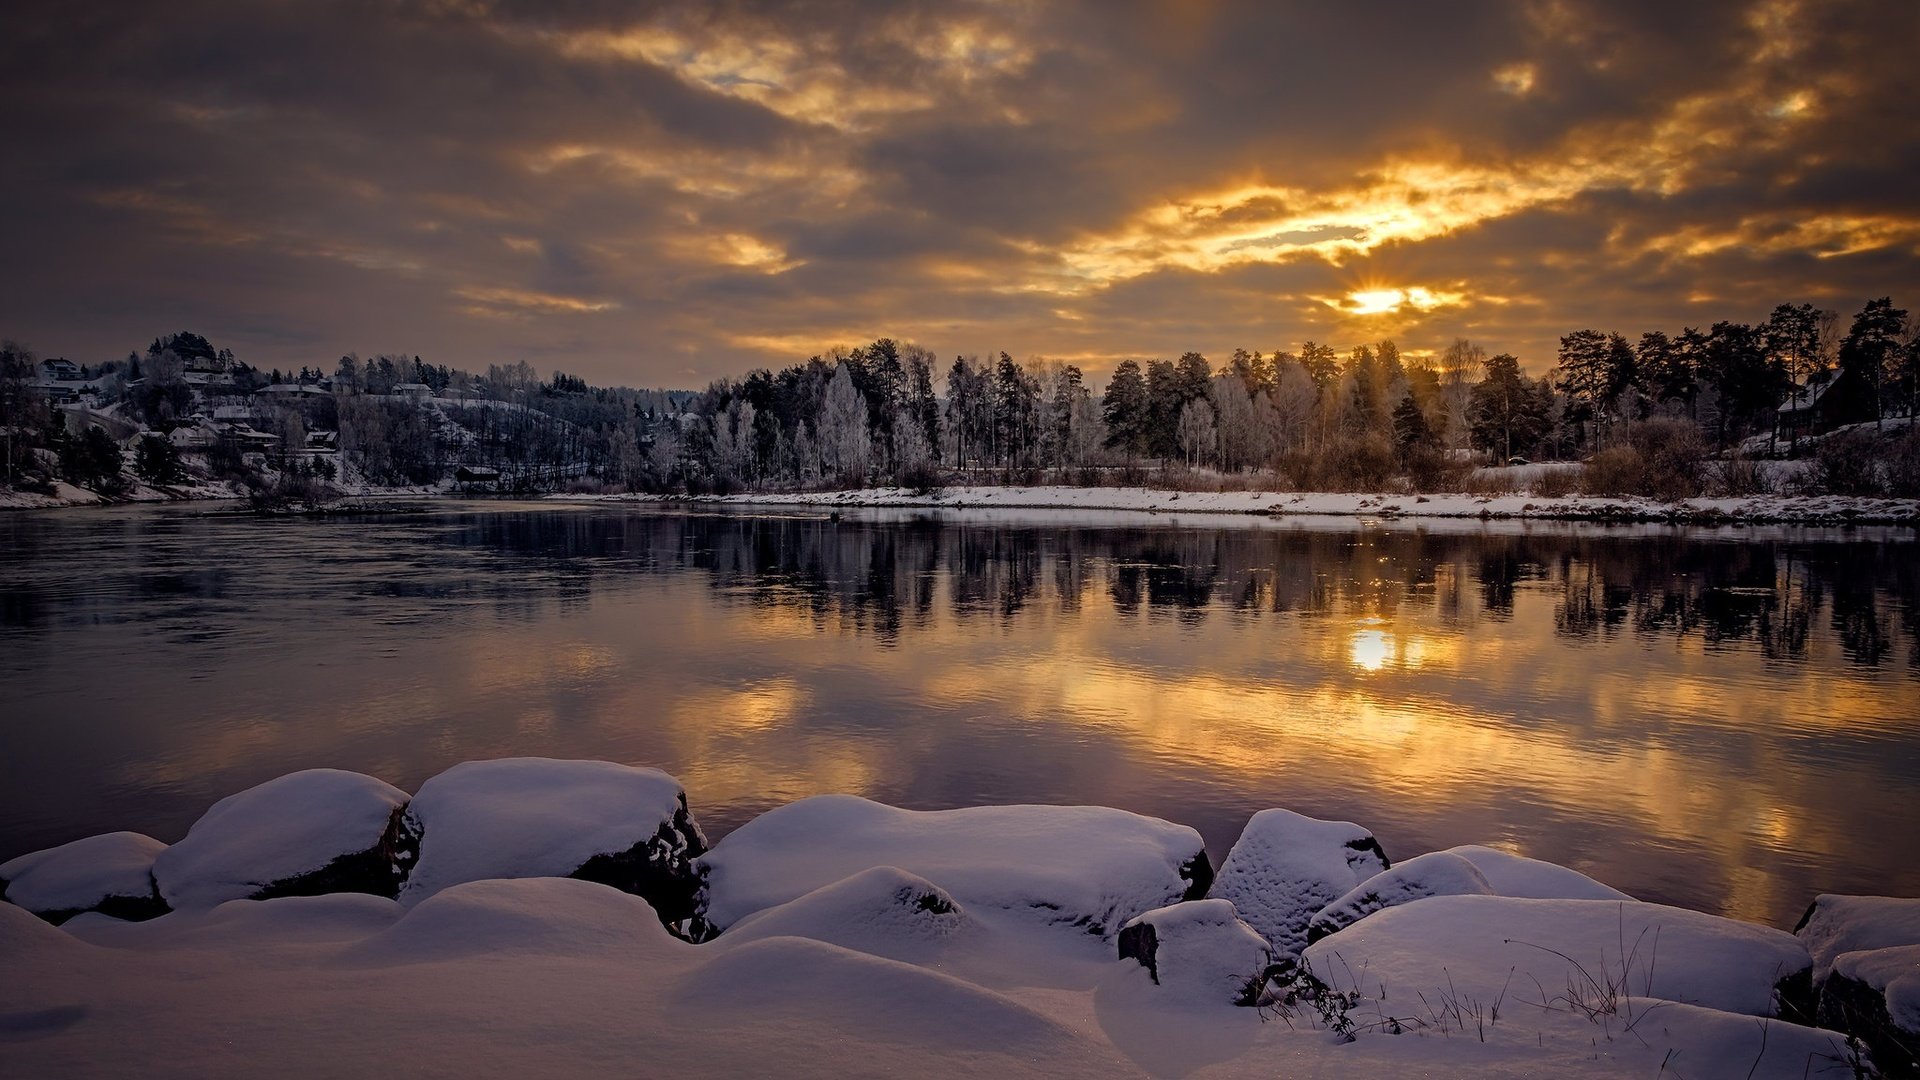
{"x":883,"y":911}
{"x":1517,"y":875}
{"x":1437,"y":873}
{"x":1875,"y":994}
{"x":1090,"y":867}
{"x":1835,"y":924}
{"x":303,"y":834}
{"x":1200,"y":950}
{"x":1469,"y":870}
{"x":111,"y":873}
{"x":1586,"y":954}
{"x":597,"y":821}
{"x":1286,"y":867}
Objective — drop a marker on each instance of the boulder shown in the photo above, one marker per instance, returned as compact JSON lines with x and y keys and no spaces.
{"x":1517,"y":875}
{"x":1199,"y":950}
{"x":1437,"y":873}
{"x":1835,"y":924}
{"x":111,"y":873}
{"x":883,"y":911}
{"x":1584,"y":955}
{"x":1090,"y":867}
{"x":303,"y":834}
{"x":1874,"y":994}
{"x":597,"y":821}
{"x":1469,"y":870}
{"x":1286,"y":867}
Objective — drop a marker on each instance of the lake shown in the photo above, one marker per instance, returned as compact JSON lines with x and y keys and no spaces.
{"x":1727,"y":719}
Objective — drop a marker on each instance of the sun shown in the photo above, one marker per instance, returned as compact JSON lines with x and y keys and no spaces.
{"x":1375,"y":301}
{"x":1380,"y":300}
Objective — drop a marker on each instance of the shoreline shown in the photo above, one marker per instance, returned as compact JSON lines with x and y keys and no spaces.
{"x":1809,"y":510}
{"x":1756,"y":509}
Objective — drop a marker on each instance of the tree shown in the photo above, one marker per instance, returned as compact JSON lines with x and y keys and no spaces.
{"x":157,"y":460}
{"x":1874,"y":345}
{"x":1594,"y":369}
{"x":1196,"y":430}
{"x":1410,"y":429}
{"x":1505,"y":410}
{"x":1459,"y":364}
{"x":844,"y":443}
{"x":1124,"y":408}
{"x":92,"y":460}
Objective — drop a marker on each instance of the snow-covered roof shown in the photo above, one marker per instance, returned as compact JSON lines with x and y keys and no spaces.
{"x":1809,"y":395}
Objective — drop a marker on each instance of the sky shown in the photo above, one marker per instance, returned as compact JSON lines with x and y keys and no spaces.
{"x":664,"y":194}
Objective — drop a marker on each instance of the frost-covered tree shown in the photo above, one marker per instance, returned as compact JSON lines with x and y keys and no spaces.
{"x":845,"y":445}
{"x":1196,"y":431}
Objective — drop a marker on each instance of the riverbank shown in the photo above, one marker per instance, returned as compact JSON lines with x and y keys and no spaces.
{"x":1754,"y":509}
{"x":534,"y":916}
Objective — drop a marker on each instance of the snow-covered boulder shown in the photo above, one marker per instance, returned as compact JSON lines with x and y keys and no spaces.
{"x":882,"y":911}
{"x":1583,"y":954}
{"x":302,"y":834}
{"x":1517,"y":875}
{"x":1437,"y":873}
{"x":1286,"y":867}
{"x":111,"y":873}
{"x":1837,"y":924}
{"x":1875,"y":994}
{"x":1469,"y":870}
{"x":1199,"y":950}
{"x":1087,"y":866}
{"x":539,"y":817}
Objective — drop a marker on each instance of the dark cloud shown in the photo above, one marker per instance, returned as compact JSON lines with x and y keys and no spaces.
{"x":664,"y":193}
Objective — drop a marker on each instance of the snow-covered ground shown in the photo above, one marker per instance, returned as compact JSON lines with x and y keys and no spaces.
{"x":863,"y":940}
{"x":1790,"y":509}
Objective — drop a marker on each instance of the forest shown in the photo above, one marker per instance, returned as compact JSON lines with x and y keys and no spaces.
{"x":1667,"y":414}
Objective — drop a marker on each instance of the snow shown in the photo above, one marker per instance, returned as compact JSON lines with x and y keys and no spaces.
{"x":1517,"y":875}
{"x":1895,"y":972}
{"x":557,"y":977}
{"x":1437,"y":873}
{"x":1199,"y":950}
{"x":1837,"y":924}
{"x":1286,"y":867}
{"x":882,"y":910}
{"x":1769,"y":508}
{"x":290,"y":826}
{"x":1090,"y":866}
{"x":78,"y":876}
{"x":532,"y":817}
{"x":1476,"y":947}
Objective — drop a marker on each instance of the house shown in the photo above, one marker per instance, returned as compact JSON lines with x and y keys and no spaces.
{"x":1827,"y":400}
{"x":477,"y":474}
{"x":413,"y":389}
{"x":59,"y":369}
{"x":288,"y":391}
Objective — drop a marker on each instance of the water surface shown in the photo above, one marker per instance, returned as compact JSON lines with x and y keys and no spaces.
{"x":1719,"y":718}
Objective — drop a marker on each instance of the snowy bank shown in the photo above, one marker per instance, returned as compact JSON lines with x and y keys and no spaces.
{"x":854,"y":938}
{"x":1084,"y":866}
{"x":1789,"y":509}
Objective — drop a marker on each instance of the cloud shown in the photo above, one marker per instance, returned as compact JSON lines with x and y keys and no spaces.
{"x":667,"y":193}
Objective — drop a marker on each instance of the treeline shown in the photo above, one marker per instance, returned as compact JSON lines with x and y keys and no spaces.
{"x":1648,"y":415}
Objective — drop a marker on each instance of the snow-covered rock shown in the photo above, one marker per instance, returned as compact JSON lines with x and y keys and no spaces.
{"x":1469,"y":870}
{"x":1088,"y":866}
{"x":883,"y":911}
{"x":539,"y":817}
{"x":1875,"y":994}
{"x":1199,"y":950}
{"x":1837,"y":924}
{"x":1437,"y":873}
{"x":302,"y":834}
{"x":1582,"y":954}
{"x":111,"y":873}
{"x":1286,"y":867}
{"x":1517,"y":875}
